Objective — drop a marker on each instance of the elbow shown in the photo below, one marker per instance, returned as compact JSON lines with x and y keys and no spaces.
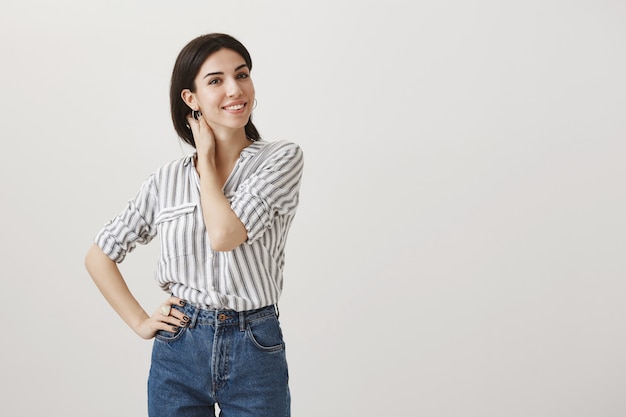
{"x":222,"y":245}
{"x":89,"y":259}
{"x":224,"y":241}
{"x":95,"y":259}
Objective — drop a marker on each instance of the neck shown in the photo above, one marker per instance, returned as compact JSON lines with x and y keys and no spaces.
{"x":229,"y":144}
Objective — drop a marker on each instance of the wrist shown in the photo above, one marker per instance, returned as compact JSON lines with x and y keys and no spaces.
{"x":204,"y":162}
{"x":138,"y":323}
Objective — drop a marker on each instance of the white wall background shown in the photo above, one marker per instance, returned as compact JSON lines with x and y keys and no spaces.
{"x":459,"y":249}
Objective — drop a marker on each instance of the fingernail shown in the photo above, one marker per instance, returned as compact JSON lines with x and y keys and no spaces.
{"x":182,"y":302}
{"x":185,"y":318}
{"x":182,"y":323}
{"x":175,"y":329}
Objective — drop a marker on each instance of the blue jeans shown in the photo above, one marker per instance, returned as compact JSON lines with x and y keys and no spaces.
{"x":236,"y":360}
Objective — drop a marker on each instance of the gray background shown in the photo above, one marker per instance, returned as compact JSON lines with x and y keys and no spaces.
{"x":459,"y":249}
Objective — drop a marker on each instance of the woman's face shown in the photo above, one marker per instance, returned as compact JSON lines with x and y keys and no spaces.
{"x":224,"y":91}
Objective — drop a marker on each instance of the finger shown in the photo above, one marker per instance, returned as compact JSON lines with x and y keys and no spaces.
{"x":179,"y":316}
{"x":193,"y":125}
{"x":165,"y":309}
{"x":176,"y":314}
{"x":174,"y":322}
{"x":177,"y":319}
{"x":168,"y":327}
{"x":201,"y":121}
{"x":204,"y":126}
{"x":176,"y":301}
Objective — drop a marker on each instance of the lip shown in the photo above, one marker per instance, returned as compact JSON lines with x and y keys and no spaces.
{"x":236,"y":103}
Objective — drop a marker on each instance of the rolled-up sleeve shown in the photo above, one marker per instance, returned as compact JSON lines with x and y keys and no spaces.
{"x":135,"y":224}
{"x":272,"y":190}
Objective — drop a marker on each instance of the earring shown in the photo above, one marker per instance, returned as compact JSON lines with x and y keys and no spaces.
{"x":254,"y":105}
{"x":196,"y":114}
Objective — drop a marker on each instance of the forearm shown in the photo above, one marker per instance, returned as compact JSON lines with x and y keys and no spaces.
{"x":225,"y":230}
{"x":107,"y":277}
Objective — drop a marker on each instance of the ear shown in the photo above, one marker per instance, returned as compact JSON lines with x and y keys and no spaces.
{"x":189,"y":98}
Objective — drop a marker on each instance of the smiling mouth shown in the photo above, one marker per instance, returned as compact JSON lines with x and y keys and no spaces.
{"x":235,"y":107}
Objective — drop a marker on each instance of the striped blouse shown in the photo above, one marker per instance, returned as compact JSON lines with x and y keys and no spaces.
{"x":263,"y":191}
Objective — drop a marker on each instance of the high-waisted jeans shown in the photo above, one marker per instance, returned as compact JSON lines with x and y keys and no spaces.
{"x":236,"y":360}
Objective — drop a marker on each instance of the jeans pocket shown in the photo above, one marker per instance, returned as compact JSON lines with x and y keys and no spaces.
{"x":265,"y":334}
{"x":168,"y":337}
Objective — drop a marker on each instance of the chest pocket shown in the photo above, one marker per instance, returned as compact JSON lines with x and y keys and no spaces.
{"x":176,"y":227}
{"x":171,"y":213}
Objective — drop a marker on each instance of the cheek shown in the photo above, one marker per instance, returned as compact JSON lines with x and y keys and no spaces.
{"x":208,"y":100}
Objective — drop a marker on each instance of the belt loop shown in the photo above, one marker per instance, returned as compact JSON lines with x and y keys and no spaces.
{"x":242,"y":321}
{"x":194,"y":317}
{"x":277,"y":311}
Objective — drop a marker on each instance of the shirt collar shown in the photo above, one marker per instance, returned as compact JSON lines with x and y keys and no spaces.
{"x":249,"y":150}
{"x":253,"y":148}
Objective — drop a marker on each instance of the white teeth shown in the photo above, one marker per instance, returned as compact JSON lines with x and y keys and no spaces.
{"x":235,"y":107}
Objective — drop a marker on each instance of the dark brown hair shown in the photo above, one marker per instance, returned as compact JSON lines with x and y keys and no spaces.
{"x":187,"y":65}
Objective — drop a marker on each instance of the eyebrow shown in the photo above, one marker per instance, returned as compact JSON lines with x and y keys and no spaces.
{"x":221,"y":73}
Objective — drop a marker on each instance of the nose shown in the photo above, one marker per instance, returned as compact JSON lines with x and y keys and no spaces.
{"x":232,"y":88}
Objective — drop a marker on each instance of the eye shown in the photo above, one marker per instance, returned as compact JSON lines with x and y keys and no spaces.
{"x":214,"y":81}
{"x":243,"y":75}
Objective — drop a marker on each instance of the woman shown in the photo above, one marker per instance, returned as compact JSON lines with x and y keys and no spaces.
{"x":222,"y":216}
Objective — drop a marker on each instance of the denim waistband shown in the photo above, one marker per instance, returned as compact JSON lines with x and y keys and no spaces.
{"x":224,"y":317}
